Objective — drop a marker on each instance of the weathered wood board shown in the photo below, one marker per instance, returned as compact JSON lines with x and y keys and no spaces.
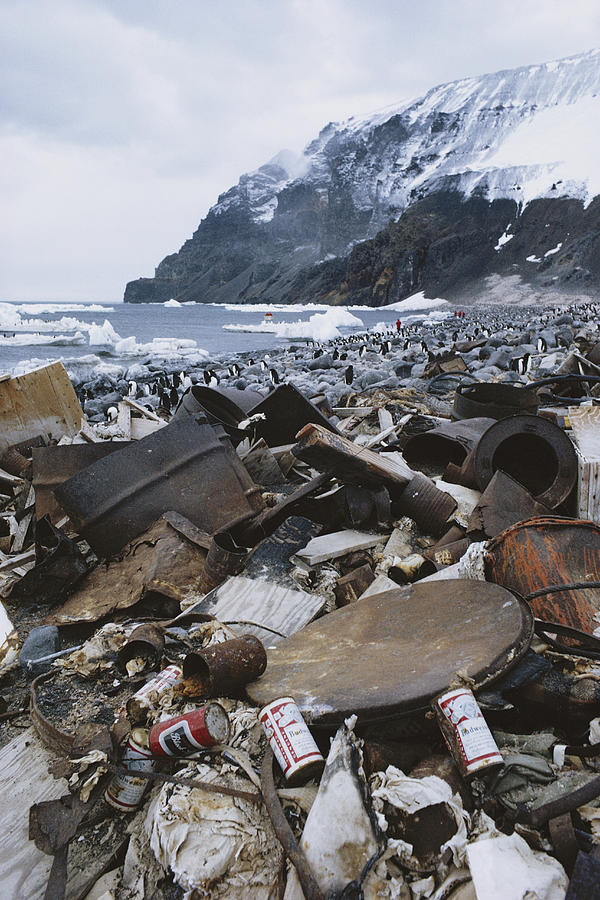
{"x":39,"y":402}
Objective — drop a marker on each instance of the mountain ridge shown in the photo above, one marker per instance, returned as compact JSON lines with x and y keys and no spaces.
{"x":291,"y":230}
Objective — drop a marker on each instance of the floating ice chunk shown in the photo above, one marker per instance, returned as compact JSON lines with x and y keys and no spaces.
{"x":319,"y":327}
{"x":533,"y":258}
{"x":172,"y":304}
{"x":105,"y":334}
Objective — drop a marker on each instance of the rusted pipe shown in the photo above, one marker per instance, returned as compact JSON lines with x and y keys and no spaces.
{"x":285,"y":835}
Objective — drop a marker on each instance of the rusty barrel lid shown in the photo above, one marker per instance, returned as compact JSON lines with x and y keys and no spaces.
{"x":390,"y":654}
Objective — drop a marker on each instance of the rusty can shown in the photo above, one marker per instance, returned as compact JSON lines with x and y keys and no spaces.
{"x":199,"y":729}
{"x":125,"y":791}
{"x":291,"y":742}
{"x":466,"y":732}
{"x":145,"y":700}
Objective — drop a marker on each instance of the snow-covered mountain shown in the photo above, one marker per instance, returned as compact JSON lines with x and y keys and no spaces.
{"x":477,"y":176}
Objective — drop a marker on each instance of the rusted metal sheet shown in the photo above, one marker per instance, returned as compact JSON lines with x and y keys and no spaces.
{"x":183,"y":467}
{"x":493,"y":400}
{"x":410,"y":641}
{"x":546,"y":553}
{"x":223,"y":669}
{"x":287,"y":411}
{"x":503,"y":503}
{"x":450,"y":442}
{"x":53,"y":465}
{"x":39,"y":402}
{"x":160,"y":566}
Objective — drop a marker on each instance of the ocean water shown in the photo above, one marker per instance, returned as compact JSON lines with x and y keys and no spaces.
{"x":94,"y":336}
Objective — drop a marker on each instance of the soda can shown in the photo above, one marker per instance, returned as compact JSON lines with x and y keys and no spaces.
{"x":146,"y":699}
{"x":466,"y":732}
{"x":125,"y":791}
{"x":197,"y":730}
{"x":291,"y":742}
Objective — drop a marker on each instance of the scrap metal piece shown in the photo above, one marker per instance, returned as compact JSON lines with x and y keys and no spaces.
{"x":412,"y":640}
{"x":286,"y":411}
{"x":42,"y":402}
{"x":495,"y":400}
{"x":503,"y":503}
{"x":225,"y":557}
{"x":183,"y":467}
{"x":223,"y":669}
{"x":160,"y":566}
{"x":548,"y":552}
{"x":53,"y":465}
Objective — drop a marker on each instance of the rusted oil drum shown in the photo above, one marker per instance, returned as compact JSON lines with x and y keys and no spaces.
{"x":493,"y":400}
{"x":388,"y":655}
{"x":545,"y":553}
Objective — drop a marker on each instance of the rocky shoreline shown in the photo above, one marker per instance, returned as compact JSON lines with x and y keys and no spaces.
{"x":488,"y":343}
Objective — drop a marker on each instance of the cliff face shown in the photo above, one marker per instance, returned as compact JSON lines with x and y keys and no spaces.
{"x":466,"y":182}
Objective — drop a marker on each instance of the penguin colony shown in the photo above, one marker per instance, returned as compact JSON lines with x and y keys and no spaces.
{"x":513,"y":344}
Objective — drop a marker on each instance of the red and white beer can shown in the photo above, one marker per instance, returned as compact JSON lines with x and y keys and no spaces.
{"x":291,"y":742}
{"x":197,"y":730}
{"x":125,"y":791}
{"x":146,"y":699}
{"x":466,"y":732}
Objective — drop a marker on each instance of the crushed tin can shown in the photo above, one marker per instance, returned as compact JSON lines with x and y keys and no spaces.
{"x":125,"y":791}
{"x":197,"y":730}
{"x":146,"y":699}
{"x":466,"y":732}
{"x":292,"y":743}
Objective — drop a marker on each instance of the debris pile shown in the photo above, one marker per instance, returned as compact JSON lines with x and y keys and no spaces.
{"x":330,"y":642}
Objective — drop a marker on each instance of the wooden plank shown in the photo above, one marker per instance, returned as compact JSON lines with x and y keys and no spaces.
{"x":15,"y":561}
{"x":124,"y":419}
{"x":332,"y":546}
{"x":39,"y":402}
{"x":24,"y":780}
{"x":252,"y":606}
{"x":142,"y":410}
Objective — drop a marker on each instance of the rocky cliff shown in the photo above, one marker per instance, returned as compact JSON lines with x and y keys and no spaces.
{"x":479,"y":179}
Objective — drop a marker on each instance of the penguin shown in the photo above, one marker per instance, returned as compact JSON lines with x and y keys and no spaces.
{"x":132,"y":389}
{"x":335,"y":354}
{"x":174,"y":396}
{"x":542,"y":344}
{"x":112,"y":413}
{"x":176,"y":380}
{"x":349,"y":375}
{"x":206,"y":376}
{"x":274,"y":377}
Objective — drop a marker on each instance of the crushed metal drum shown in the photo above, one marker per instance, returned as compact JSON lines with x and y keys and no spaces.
{"x":184,"y":467}
{"x":503,"y":503}
{"x":388,"y":655}
{"x":222,"y":406}
{"x":545,"y":553}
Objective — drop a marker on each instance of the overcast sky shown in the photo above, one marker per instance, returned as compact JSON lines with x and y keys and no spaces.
{"x":122,"y":120}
